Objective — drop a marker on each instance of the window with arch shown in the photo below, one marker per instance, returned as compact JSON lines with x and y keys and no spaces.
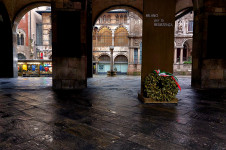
{"x":125,"y":18}
{"x":109,"y":19}
{"x":121,"y":18}
{"x":20,"y":39}
{"x":104,"y":37}
{"x":104,"y":58}
{"x":121,"y":37}
{"x":121,"y":59}
{"x":104,"y":19}
{"x":117,"y":18}
{"x":21,"y":56}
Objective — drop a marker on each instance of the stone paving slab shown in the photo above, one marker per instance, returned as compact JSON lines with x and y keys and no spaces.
{"x":108,"y":115}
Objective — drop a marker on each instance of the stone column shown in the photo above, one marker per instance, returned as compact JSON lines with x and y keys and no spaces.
{"x":113,"y":38}
{"x":208,"y":58}
{"x":89,"y":36}
{"x":181,"y":55}
{"x":112,"y":63}
{"x":69,"y":52}
{"x":158,"y":36}
{"x":111,"y":72}
{"x":175,"y":55}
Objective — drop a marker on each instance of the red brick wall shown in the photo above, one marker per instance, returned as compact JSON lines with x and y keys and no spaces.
{"x":24,"y":26}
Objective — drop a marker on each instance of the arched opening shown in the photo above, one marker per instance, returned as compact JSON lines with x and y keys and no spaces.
{"x":121,"y":64}
{"x":104,"y":37}
{"x":121,"y":37}
{"x":124,"y":32}
{"x":103,"y":64}
{"x":33,"y":33}
{"x":21,"y":56}
{"x":183,"y":44}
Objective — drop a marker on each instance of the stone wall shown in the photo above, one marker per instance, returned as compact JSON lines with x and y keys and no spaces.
{"x":208,"y":70}
{"x":214,"y":73}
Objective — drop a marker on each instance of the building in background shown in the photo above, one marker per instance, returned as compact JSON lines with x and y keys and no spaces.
{"x":34,"y":35}
{"x":44,"y":35}
{"x":183,"y":44}
{"x":34,"y":43}
{"x":123,"y":30}
{"x":119,"y":28}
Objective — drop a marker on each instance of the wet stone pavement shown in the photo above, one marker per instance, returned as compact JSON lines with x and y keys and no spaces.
{"x":107,"y":115}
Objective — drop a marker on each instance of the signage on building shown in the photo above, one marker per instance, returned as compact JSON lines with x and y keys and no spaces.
{"x":159,"y":22}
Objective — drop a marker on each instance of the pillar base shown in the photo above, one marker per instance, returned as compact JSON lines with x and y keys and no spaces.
{"x":111,"y":73}
{"x":69,"y":84}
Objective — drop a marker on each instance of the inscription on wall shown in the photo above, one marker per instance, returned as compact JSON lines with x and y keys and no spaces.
{"x":69,"y":4}
{"x":159,"y":22}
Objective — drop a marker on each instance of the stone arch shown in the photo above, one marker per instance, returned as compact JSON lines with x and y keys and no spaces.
{"x":121,"y":26}
{"x":121,"y":54}
{"x":188,"y":42}
{"x":104,"y":36}
{"x":21,"y":56}
{"x":104,"y":27}
{"x":25,"y":9}
{"x":121,"y":36}
{"x":102,"y":54}
{"x":22,"y":12}
{"x":182,"y":5}
{"x":16,"y":19}
{"x":126,"y":7}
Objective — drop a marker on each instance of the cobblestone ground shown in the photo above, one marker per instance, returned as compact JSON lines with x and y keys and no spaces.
{"x":108,"y":115}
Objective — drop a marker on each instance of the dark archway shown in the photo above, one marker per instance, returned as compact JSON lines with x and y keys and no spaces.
{"x":21,"y":56}
{"x":15,"y":23}
{"x":120,"y":31}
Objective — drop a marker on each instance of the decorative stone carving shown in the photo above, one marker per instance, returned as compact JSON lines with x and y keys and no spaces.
{"x":180,"y":27}
{"x":136,"y":42}
{"x":180,"y":42}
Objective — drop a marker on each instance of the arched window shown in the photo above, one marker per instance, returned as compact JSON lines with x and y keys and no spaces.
{"x":125,"y":18}
{"x":18,"y":39}
{"x":22,"y":39}
{"x":121,"y":37}
{"x":121,"y":19}
{"x":109,"y":19}
{"x":21,"y":56}
{"x":104,"y":19}
{"x":117,"y":18}
{"x":121,"y":59}
{"x":104,"y":37}
{"x":104,"y":58}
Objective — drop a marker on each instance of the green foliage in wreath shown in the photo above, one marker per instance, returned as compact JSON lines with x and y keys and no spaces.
{"x":160,"y":88}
